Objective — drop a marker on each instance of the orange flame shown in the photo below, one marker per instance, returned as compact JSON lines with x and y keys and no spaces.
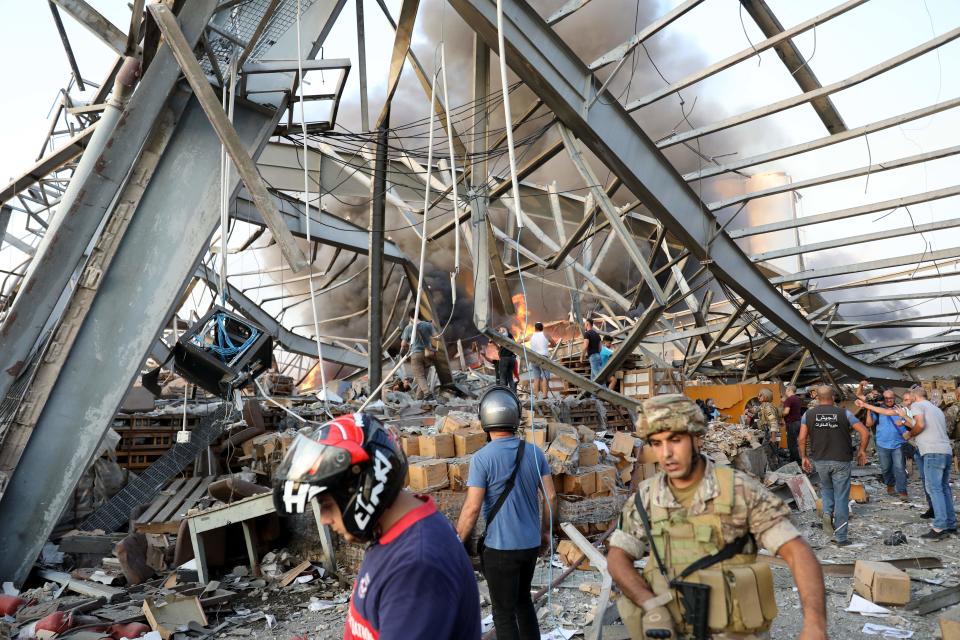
{"x":312,"y":380}
{"x":521,"y":319}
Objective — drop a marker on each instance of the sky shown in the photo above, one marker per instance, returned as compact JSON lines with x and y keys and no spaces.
{"x":880,"y":29}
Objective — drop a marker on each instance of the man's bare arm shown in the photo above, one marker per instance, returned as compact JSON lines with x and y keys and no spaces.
{"x":808,"y":577}
{"x":631,"y":583}
{"x":470,"y":512}
{"x":864,"y":441}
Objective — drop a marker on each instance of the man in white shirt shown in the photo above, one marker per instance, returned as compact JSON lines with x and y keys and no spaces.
{"x":540,"y":344}
{"x":928,"y":429}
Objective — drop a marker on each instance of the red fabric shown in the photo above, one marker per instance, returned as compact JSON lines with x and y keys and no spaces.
{"x":357,"y":628}
{"x":10,"y":604}
{"x":428,"y":508}
{"x":57,"y":622}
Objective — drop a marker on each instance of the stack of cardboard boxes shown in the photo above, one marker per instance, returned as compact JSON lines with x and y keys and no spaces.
{"x":441,"y":460}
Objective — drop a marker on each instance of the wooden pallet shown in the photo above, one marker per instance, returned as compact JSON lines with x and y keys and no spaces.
{"x":165,"y":513}
{"x":651,"y":381}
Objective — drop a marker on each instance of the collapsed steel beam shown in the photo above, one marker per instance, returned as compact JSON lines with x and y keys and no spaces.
{"x":162,"y":246}
{"x":95,"y":23}
{"x":183,"y":52}
{"x":554,"y":72}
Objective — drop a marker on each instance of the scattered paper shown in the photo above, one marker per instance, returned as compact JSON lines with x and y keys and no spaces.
{"x":10,"y":590}
{"x":321,"y":605}
{"x":304,"y":579}
{"x":887,"y":632}
{"x":271,"y":620}
{"x":559,"y":634}
{"x":865,"y":607}
{"x":602,"y":446}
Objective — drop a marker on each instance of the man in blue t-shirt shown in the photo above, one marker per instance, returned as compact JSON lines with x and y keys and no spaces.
{"x":889,"y":440}
{"x":514,"y":536}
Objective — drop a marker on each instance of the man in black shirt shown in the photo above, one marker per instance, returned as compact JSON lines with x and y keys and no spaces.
{"x":829,"y":428}
{"x":591,"y":348}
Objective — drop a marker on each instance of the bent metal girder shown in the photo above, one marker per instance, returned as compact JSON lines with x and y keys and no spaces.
{"x":554,"y":72}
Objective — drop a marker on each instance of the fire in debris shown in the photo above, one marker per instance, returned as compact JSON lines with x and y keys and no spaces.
{"x":521,"y":325}
{"x":312,"y":380}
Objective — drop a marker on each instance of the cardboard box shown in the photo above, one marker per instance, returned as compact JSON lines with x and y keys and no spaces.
{"x":569,"y":553}
{"x":858,"y":493}
{"x":623,"y":444}
{"x":881,"y":583}
{"x":438,"y":445}
{"x":582,"y":483}
{"x":457,"y":473}
{"x":586,"y":433}
{"x":466,"y":442}
{"x":449,"y":424}
{"x":538,"y":437}
{"x":562,"y":450}
{"x":410,"y":445}
{"x":606,"y":478}
{"x":950,"y":624}
{"x":166,"y":614}
{"x":647,"y":455}
{"x":647,"y":469}
{"x":554,"y":429}
{"x":589,"y":455}
{"x":426,"y":475}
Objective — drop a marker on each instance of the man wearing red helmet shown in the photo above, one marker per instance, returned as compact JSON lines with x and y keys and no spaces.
{"x":416,"y":581}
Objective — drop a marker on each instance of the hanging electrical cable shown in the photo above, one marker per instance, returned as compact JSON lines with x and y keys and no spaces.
{"x":507,"y":117}
{"x":306,"y":204}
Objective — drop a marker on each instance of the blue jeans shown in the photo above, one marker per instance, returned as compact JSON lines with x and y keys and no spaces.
{"x":835,"y":489}
{"x":595,"y":365}
{"x":936,"y":479}
{"x":918,"y":465}
{"x":893,"y":467}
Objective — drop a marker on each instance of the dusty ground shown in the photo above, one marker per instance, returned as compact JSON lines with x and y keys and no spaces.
{"x":572,"y":608}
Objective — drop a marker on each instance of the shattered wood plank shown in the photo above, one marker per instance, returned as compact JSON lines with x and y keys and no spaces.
{"x":83,"y":587}
{"x":577,"y":380}
{"x":935,"y":601}
{"x":291,"y":575}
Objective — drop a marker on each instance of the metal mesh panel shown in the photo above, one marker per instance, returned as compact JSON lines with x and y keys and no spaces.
{"x":242,"y":20}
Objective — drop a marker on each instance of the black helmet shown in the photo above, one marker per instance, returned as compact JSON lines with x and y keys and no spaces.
{"x":499,"y":409}
{"x":354,"y":459}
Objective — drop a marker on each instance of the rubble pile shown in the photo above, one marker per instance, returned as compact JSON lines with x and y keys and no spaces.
{"x":724,"y":441}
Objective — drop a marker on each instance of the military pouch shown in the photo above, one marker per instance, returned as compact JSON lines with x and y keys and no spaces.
{"x":741,"y":597}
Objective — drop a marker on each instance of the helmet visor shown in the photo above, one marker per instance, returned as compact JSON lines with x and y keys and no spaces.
{"x":310,"y":461}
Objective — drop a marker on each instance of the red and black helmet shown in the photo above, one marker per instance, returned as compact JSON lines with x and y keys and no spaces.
{"x":354,"y":459}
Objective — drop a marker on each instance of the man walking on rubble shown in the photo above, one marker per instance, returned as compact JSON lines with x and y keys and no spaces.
{"x":505,"y":478}
{"x":591,"y":348}
{"x":828,"y":427}
{"x":702,"y":578}
{"x":416,"y":581}
{"x":540,"y":344}
{"x":421,"y":352}
{"x":792,"y":411}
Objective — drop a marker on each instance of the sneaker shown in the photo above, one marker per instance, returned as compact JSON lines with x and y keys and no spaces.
{"x":933,"y":534}
{"x":891,"y":491}
{"x":927,"y":515}
{"x":827,"y":521}
{"x":842,"y":543}
{"x":952,"y":530}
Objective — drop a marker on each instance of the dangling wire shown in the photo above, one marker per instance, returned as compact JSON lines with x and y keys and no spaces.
{"x":508,"y":118}
{"x":228,"y":104}
{"x":306,"y":203}
{"x":453,"y":161}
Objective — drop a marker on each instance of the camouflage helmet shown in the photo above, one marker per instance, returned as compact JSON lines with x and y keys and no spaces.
{"x":671,"y":412}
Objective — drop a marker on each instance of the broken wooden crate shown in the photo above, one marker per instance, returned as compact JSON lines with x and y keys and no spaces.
{"x":165,"y":513}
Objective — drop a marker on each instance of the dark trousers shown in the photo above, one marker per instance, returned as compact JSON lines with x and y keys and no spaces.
{"x":505,"y":371}
{"x":793,"y":432}
{"x":509,"y":574}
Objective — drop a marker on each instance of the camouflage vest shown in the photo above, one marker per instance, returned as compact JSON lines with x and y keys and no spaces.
{"x":741,"y":589}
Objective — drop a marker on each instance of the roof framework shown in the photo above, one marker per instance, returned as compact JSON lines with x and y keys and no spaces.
{"x":693,"y":278}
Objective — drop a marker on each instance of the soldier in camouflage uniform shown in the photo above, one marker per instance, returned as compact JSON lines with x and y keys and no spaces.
{"x":694,"y":510}
{"x":769,"y":419}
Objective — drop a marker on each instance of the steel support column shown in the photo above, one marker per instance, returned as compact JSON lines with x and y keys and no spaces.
{"x":555,"y":73}
{"x":378,"y":213}
{"x":77,"y":223}
{"x":162,"y":246}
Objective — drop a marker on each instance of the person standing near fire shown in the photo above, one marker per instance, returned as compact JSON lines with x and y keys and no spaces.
{"x":421,"y":353}
{"x":540,"y":344}
{"x":591,"y":348}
